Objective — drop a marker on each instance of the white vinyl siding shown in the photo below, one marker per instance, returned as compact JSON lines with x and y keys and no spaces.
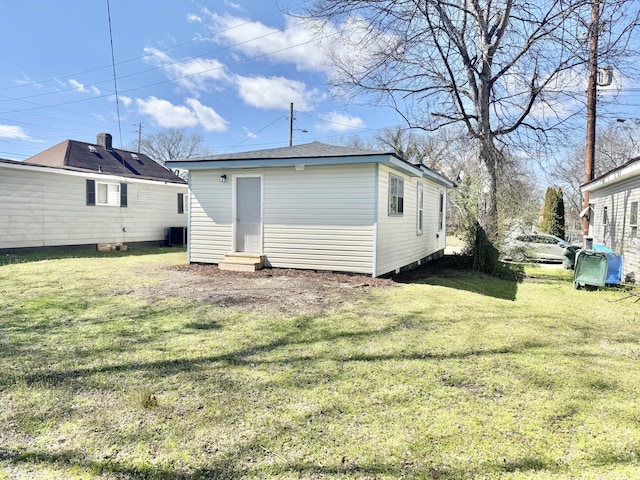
{"x":397,"y":242}
{"x":319,"y":218}
{"x":43,"y":207}
{"x":618,"y":233}
{"x":210,"y":228}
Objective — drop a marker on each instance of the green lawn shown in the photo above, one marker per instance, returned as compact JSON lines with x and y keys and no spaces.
{"x":455,"y":376}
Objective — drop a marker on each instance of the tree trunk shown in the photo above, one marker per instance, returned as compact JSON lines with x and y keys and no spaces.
{"x":485,"y":256}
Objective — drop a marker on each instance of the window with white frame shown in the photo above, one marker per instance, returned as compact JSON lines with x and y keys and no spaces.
{"x":441,"y":213}
{"x":420,"y":210}
{"x":633,"y":219}
{"x":108,"y":194}
{"x":396,"y":195}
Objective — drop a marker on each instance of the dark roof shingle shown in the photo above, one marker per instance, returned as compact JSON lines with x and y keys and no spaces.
{"x":87,"y":157}
{"x":307,"y":150}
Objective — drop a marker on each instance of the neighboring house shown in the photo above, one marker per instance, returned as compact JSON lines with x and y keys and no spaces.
{"x":78,"y":193}
{"x":316,"y":206}
{"x":613,"y":215}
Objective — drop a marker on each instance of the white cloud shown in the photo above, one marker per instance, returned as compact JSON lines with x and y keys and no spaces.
{"x":25,"y":80}
{"x":297,"y":43}
{"x":165,"y":113}
{"x":307,"y":43}
{"x":126,"y":101}
{"x":339,"y":122}
{"x":193,"y":18}
{"x":248,"y":133}
{"x":276,"y":92}
{"x":79,"y":87}
{"x":207,"y":116}
{"x":194,"y":74}
{"x":12,"y":131}
{"x":168,"y":115}
{"x":231,"y":4}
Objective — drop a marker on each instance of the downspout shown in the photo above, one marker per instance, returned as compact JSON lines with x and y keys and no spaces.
{"x":189,"y":216}
{"x":42,"y":210}
{"x":376,"y":198}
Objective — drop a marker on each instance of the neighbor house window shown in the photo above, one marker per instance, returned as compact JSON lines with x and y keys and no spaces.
{"x":181,"y":203}
{"x":605,"y":216}
{"x":633,"y":219}
{"x":106,"y":194}
{"x":420,"y":210}
{"x":396,"y":195}
{"x":91,"y":192}
{"x":441,"y":212}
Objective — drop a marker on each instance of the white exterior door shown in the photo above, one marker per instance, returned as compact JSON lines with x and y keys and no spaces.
{"x":249,"y":214}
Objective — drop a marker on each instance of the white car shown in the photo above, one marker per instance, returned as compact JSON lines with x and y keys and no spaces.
{"x":538,"y":246}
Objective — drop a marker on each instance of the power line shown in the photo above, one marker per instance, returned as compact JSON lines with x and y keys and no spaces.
{"x":115,"y":82}
{"x":164,"y":66}
{"x":133,"y":59}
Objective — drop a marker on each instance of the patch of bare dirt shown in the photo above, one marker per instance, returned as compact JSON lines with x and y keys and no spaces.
{"x":283,"y":291}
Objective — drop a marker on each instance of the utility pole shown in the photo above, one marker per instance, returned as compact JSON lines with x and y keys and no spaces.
{"x":291,"y":124}
{"x":592,"y":93}
{"x":139,"y":136}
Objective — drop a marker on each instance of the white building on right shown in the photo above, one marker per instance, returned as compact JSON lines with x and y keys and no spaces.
{"x":613,"y":214}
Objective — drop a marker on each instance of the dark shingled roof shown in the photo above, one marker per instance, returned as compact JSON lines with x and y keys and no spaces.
{"x":88,"y":157}
{"x":307,"y":150}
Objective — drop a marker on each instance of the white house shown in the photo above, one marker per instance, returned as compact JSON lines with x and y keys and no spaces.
{"x":77,"y":193}
{"x":315,"y":206}
{"x":613,"y":213}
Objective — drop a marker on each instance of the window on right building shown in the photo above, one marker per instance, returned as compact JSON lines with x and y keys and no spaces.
{"x":633,"y":219}
{"x":396,"y":195}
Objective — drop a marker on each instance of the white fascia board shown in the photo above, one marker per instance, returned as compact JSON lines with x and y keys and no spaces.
{"x":613,"y":178}
{"x":437,"y":178}
{"x":390,"y":160}
{"x":91,"y":175}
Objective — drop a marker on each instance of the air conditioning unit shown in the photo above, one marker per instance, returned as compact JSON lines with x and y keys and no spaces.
{"x":177,"y":236}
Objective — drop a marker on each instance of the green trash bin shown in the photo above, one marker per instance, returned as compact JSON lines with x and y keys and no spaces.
{"x":590,"y":269}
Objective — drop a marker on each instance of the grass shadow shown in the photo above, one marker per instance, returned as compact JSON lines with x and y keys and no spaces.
{"x":455,"y":271}
{"x":38,"y":254}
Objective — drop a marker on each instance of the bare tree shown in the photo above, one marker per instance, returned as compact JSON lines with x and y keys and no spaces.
{"x":503,"y":69}
{"x":172,"y":144}
{"x":436,"y":151}
{"x":615,"y":145}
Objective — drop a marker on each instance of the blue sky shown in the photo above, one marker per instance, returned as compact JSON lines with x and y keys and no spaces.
{"x":225,"y":69}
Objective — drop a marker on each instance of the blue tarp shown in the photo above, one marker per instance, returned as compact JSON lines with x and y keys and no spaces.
{"x":614,"y":264}
{"x":614,"y":269}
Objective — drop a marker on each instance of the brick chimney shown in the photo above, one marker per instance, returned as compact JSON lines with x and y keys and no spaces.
{"x":104,"y":140}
